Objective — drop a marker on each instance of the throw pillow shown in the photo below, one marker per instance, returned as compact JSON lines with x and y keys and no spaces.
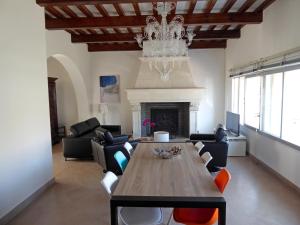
{"x":109,"y":139}
{"x":221,"y":135}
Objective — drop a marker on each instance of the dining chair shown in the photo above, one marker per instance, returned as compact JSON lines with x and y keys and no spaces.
{"x":202,"y":216}
{"x":199,"y":146}
{"x":206,"y":157}
{"x":121,"y":160}
{"x":132,"y":215}
{"x":128,"y":147}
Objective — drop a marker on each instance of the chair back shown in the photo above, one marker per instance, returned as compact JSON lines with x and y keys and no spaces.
{"x":109,"y":182}
{"x":199,"y":146}
{"x":128,"y":147}
{"x":121,"y":160}
{"x":222,"y":179}
{"x":206,"y":157}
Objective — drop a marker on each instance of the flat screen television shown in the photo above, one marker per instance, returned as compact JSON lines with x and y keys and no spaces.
{"x":233,"y":123}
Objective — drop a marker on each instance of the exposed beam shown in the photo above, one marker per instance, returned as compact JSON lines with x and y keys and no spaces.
{"x":102,"y":10}
{"x":89,"y":2}
{"x":134,"y":46}
{"x":192,"y":6}
{"x":227,"y":6}
{"x":85,"y":11}
{"x":264,"y":5}
{"x":54,"y":12}
{"x":209,"y":6}
{"x":136,"y":9}
{"x":246,"y":5}
{"x":68,"y":11}
{"x":127,"y":37}
{"x":118,"y":9}
{"x":138,"y":21}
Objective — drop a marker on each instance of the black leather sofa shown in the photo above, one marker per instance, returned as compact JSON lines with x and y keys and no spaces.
{"x":104,"y":153}
{"x":217,"y":145}
{"x":78,"y":144}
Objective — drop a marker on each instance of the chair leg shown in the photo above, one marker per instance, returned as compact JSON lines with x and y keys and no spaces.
{"x":169,"y":220}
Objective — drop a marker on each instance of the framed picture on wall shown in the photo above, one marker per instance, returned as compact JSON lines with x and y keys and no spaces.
{"x":109,"y":89}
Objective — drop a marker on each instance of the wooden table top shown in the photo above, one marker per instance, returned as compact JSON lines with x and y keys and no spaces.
{"x":182,"y":176}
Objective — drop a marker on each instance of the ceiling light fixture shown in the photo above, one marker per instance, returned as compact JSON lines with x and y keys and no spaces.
{"x":163,"y":44}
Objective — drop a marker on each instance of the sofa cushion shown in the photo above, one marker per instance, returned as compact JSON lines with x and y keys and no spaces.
{"x":221,"y":135}
{"x":79,"y":129}
{"x":93,"y":123}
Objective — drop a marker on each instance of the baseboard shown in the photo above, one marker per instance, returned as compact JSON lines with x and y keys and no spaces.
{"x":275,"y":173}
{"x":21,"y":206}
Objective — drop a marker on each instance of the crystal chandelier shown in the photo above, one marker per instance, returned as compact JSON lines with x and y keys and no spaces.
{"x":165,"y":45}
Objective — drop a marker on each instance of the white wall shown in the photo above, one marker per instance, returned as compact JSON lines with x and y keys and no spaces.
{"x":67,"y":112}
{"x":208,"y":70}
{"x":76,"y":60}
{"x":278,"y":32}
{"x":25,"y":155}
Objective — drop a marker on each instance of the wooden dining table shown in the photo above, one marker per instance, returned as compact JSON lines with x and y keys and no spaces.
{"x":182,"y":181}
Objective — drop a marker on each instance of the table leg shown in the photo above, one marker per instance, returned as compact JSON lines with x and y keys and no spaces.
{"x":113,"y":213}
{"x":222,"y":215}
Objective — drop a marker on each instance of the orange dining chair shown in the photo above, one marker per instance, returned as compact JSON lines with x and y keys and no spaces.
{"x":202,"y":216}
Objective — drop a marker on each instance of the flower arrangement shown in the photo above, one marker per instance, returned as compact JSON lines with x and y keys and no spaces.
{"x":147,"y":121}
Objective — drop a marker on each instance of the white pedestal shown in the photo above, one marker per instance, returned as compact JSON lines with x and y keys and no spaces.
{"x":237,"y":145}
{"x":161,"y":136}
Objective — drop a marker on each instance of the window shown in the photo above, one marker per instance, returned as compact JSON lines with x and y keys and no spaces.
{"x":272,"y":104}
{"x":291,"y":107}
{"x":241,"y":99}
{"x":269,"y":103}
{"x":235,"y":95}
{"x":252,"y":101}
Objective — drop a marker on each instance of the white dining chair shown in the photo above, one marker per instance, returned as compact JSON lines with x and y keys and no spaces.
{"x":132,"y":215}
{"x":206,"y":157}
{"x":128,"y":147}
{"x":199,"y":146}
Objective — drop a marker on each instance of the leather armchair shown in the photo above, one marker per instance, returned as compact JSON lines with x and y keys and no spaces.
{"x":216,"y":145}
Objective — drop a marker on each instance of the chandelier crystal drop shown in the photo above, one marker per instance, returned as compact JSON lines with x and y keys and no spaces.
{"x":163,"y":44}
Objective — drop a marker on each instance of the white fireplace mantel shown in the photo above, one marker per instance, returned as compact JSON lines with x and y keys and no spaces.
{"x":137,"y":96}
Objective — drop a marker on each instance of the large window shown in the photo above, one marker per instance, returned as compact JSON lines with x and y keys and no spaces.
{"x":269,"y":103}
{"x":252,"y":101}
{"x":291,"y":107}
{"x":272,"y":104}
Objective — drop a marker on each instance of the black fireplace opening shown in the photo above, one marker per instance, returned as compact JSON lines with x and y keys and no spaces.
{"x":172,"y":117}
{"x":165,"y":120}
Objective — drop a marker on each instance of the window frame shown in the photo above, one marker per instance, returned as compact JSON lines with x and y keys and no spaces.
{"x":263,"y":75}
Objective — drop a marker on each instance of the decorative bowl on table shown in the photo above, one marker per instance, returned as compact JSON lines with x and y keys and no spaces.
{"x":167,"y":153}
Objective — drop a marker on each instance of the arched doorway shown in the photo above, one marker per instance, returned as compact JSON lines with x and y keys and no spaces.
{"x":72,"y":100}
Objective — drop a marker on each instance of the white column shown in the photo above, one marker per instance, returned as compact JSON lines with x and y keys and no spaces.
{"x":136,"y":120}
{"x":194,"y":121}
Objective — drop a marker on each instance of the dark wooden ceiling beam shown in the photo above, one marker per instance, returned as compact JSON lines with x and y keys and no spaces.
{"x":192,"y":6}
{"x":102,"y":10}
{"x":53,"y":11}
{"x":134,"y":46}
{"x":89,"y":2}
{"x":247,"y":4}
{"x":119,"y":10}
{"x":227,"y":6}
{"x":136,"y":9}
{"x":68,"y":11}
{"x":138,"y":21}
{"x":209,"y":6}
{"x":85,"y":11}
{"x":128,"y":37}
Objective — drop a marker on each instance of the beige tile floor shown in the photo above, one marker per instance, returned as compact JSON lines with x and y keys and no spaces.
{"x":254,"y":197}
